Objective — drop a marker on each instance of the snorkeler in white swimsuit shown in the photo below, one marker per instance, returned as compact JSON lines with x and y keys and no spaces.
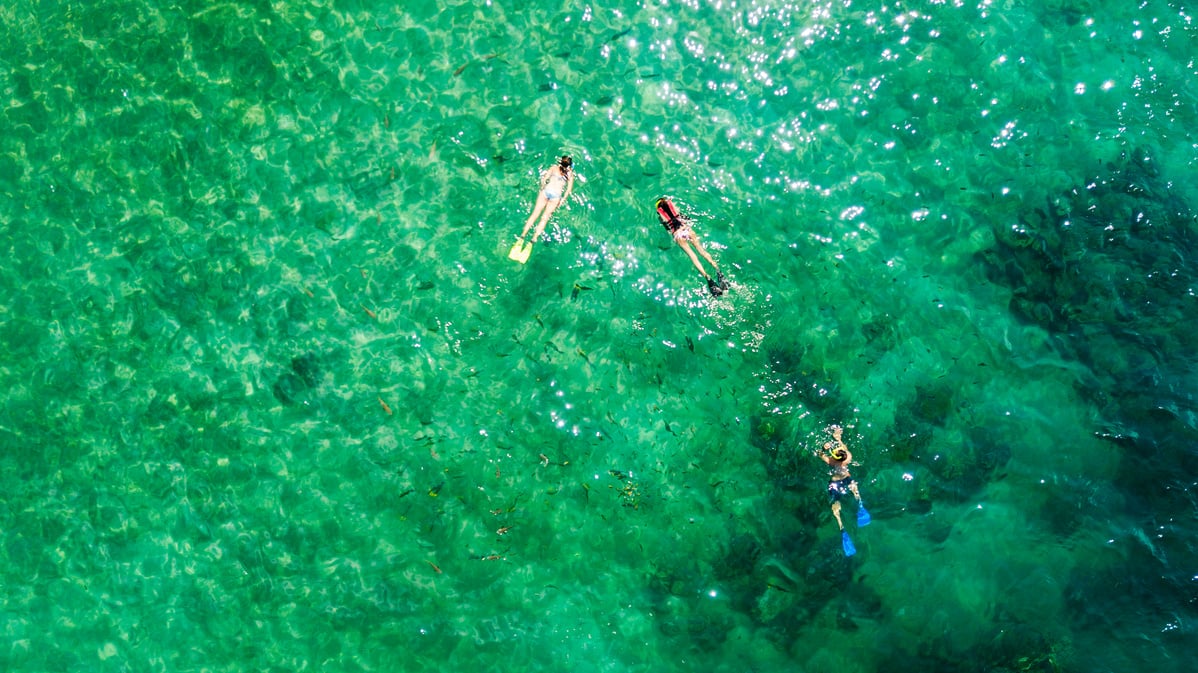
{"x":554,"y":187}
{"x":557,"y":182}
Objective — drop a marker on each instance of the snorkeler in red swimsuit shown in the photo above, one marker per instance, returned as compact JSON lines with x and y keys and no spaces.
{"x":684,"y":234}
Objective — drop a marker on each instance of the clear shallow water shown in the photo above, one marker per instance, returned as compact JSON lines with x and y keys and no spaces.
{"x":273,"y":388}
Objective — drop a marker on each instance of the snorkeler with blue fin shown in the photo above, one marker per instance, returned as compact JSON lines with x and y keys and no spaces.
{"x":681,"y":229}
{"x":836,"y":454}
{"x":556,"y":184}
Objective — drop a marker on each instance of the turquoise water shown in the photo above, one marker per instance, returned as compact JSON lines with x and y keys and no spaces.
{"x":275,"y":398}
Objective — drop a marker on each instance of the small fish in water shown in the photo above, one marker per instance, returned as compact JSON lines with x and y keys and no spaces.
{"x":577,"y":288}
{"x":370,"y":313}
{"x":434,"y":566}
{"x":619,"y":35}
{"x":386,"y":407}
{"x":436,"y":490}
{"x":503,"y":531}
{"x":544,"y":459}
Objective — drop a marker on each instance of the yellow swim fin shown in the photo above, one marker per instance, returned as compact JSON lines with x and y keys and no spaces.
{"x":520,"y":251}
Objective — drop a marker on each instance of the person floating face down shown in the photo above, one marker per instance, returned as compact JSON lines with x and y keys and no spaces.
{"x":684,"y":234}
{"x":557,"y":182}
{"x":836,"y":454}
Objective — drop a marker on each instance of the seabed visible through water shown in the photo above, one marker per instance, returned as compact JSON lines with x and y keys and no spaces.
{"x":276,"y":400}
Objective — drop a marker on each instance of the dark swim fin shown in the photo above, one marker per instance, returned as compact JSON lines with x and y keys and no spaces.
{"x":714,"y":288}
{"x":719,"y":278}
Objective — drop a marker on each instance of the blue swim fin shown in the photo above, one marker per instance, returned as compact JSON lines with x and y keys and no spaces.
{"x":847,"y":543}
{"x":863,"y":517}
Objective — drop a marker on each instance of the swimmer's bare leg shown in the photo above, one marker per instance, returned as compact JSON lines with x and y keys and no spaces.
{"x":541,"y":201}
{"x":703,"y":251}
{"x":836,"y":513}
{"x":550,"y":207}
{"x":685,"y":245}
